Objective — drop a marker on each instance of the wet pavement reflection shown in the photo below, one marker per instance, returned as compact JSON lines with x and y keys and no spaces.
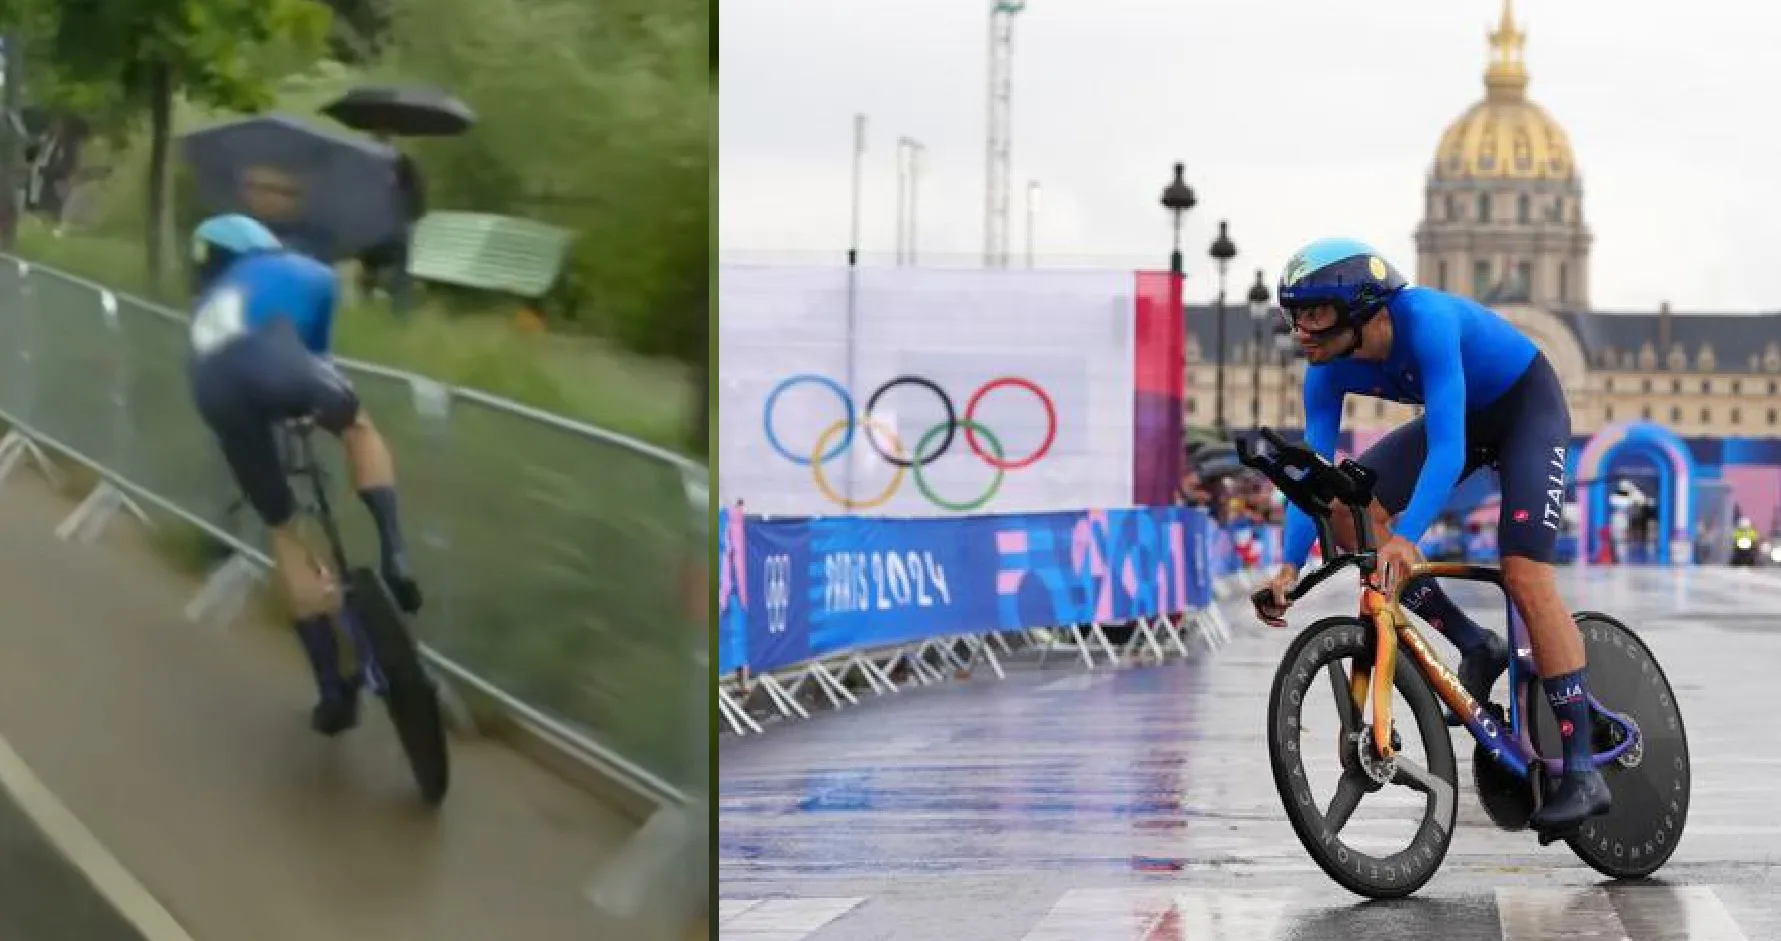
{"x":1137,"y":804}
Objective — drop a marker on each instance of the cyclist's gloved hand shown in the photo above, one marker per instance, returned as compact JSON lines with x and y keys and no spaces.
{"x":402,"y":585}
{"x":1270,"y":600}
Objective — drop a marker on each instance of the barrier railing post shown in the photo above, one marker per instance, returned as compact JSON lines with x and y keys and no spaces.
{"x":96,"y":510}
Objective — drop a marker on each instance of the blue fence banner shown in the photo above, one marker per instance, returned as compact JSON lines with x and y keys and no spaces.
{"x":792,"y":590}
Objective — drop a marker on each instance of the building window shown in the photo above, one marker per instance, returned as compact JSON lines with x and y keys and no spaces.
{"x":1523,"y":210}
{"x":1675,"y":413}
{"x":1676,"y":386}
{"x":1564,"y":283}
{"x":1378,"y":408}
{"x":1348,"y":407}
{"x":1610,"y":383}
{"x":1483,"y":207}
{"x":1707,"y":386}
{"x":1608,"y":413}
{"x":1645,"y":412}
{"x":1452,"y":208}
{"x":1480,"y":278}
{"x":1441,"y":276}
{"x":1772,"y":415}
{"x":1737,"y":416}
{"x":1645,"y":387}
{"x":1706,"y":416}
{"x":1191,"y":406}
{"x":1772,"y":389}
{"x":1558,"y":209}
{"x":1524,"y":273}
{"x":1737,"y":387}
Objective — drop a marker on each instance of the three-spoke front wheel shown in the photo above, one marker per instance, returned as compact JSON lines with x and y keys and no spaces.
{"x":1321,"y":751}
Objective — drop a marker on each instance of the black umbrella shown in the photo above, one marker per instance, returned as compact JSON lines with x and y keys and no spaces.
{"x":404,"y":111}
{"x":328,"y":194}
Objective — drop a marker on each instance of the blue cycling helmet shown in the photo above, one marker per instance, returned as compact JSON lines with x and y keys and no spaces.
{"x":1343,"y":273}
{"x":219,"y":240}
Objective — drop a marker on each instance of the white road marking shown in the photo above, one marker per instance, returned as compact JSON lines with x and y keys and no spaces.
{"x":80,"y":847}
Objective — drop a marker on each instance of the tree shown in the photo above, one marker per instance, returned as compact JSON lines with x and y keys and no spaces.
{"x":151,"y":51}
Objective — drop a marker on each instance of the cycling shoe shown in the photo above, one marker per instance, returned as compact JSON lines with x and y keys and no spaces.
{"x":1580,"y":796}
{"x":1479,"y":671}
{"x":402,"y":585}
{"x":335,"y":713}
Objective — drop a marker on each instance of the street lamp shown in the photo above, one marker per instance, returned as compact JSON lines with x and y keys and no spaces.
{"x":909,"y":153}
{"x":1222,"y":251}
{"x":1258,"y":312}
{"x":1177,"y":198}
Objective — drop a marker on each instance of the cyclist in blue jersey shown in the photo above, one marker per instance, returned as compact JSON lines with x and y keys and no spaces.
{"x":260,"y":336}
{"x":1488,"y":395}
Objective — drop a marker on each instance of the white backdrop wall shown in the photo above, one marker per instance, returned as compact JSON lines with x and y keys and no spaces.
{"x":998,"y":347}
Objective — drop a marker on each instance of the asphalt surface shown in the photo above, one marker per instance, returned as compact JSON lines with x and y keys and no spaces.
{"x":1138,"y":804}
{"x":184,"y":751}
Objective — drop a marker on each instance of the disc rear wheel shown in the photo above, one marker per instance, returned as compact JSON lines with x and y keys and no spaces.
{"x":411,"y":697}
{"x":1651,"y":784}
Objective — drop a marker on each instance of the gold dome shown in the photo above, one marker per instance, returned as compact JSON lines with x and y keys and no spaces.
{"x":1505,"y":136}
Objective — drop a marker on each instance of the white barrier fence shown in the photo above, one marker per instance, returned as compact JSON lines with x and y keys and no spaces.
{"x":750,"y":704}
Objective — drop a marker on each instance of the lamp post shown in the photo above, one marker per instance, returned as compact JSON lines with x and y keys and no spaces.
{"x":1258,"y":312}
{"x":1222,"y":251}
{"x":1177,"y":198}
{"x":909,"y":151}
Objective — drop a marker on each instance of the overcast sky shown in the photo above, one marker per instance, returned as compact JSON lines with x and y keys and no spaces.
{"x":1296,"y":118}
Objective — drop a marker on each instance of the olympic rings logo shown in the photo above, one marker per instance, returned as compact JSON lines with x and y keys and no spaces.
{"x":835,"y":440}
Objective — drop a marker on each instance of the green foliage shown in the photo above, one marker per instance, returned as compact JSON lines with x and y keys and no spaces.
{"x":593,"y":116}
{"x":150,"y":51}
{"x":207,"y":45}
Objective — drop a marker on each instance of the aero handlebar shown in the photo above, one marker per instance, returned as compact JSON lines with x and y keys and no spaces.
{"x":1314,"y":485}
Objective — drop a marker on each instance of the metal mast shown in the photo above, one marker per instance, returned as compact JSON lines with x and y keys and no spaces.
{"x":999,"y":139}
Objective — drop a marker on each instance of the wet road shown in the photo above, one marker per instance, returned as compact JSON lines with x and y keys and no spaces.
{"x":1138,"y":804}
{"x":185,"y":783}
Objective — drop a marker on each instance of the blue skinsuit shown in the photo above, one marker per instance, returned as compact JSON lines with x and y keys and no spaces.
{"x":1449,"y":354}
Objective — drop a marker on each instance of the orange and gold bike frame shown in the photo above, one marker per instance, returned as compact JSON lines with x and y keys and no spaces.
{"x":1392,"y":628}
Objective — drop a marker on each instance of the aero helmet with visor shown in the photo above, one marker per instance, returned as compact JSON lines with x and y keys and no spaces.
{"x":1342,"y":273}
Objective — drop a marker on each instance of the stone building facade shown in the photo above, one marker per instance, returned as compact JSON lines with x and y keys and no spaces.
{"x":1504,"y":223}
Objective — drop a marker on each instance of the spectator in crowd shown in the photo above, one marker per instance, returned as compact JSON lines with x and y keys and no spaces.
{"x":387,"y":264}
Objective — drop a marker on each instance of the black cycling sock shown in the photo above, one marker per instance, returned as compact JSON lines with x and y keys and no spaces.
{"x":381,"y":501}
{"x":1424,"y":596}
{"x":322,"y":645}
{"x":1568,"y":695}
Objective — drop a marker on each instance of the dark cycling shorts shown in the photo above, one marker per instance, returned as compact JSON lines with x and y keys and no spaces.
{"x":1525,"y":433}
{"x":246,"y":388}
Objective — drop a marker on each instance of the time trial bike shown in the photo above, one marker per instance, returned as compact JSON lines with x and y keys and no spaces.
{"x":1640,"y":744}
{"x":387,"y":659}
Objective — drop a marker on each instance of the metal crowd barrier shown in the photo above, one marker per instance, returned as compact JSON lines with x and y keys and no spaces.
{"x":558,"y":558}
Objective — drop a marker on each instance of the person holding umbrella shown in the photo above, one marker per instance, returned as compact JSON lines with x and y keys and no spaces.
{"x":387,"y":112}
